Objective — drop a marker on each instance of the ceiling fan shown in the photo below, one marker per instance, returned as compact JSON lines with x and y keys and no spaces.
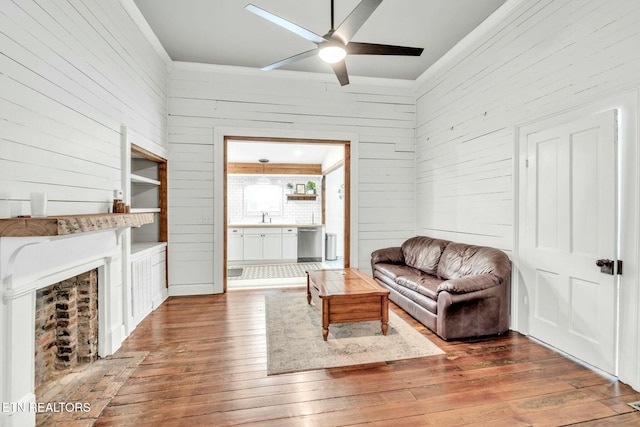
{"x":336,"y":44}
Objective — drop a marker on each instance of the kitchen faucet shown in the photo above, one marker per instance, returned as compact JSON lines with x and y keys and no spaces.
{"x":264,"y":214}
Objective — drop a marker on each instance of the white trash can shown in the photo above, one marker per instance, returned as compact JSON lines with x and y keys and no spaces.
{"x":330,"y":246}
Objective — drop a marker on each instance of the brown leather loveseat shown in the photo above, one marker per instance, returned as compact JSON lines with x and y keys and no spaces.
{"x":454,"y":289}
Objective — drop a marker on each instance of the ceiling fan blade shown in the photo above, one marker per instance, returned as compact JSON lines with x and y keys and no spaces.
{"x":355,"y":48}
{"x":294,"y":28}
{"x":354,"y":21}
{"x":291,"y":59}
{"x":340,"y":68}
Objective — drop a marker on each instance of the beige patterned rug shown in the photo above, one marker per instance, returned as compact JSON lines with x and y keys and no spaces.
{"x":294,"y":338}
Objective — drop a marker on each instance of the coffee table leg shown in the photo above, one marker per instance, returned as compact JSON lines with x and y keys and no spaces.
{"x":308,"y":290}
{"x":325,"y":318}
{"x":385,"y":315}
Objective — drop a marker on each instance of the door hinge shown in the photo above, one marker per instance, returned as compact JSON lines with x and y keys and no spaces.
{"x":526,"y":163}
{"x":619,"y":267}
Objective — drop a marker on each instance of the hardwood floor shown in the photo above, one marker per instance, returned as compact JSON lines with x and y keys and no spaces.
{"x":207,"y":367}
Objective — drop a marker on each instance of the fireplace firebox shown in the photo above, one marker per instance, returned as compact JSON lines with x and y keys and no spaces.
{"x":66,"y":326}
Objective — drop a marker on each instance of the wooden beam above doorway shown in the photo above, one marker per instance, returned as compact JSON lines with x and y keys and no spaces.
{"x":274,"y":169}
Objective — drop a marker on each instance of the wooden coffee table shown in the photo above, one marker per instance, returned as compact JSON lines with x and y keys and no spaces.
{"x":348,"y":295}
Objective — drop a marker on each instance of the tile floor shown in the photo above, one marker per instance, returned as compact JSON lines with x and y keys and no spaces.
{"x":276,"y":282}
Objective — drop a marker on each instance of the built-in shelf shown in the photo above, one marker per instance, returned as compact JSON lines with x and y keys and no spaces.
{"x":70,"y":224}
{"x":302,"y":196}
{"x":145,"y":210}
{"x":147,"y":193}
{"x":138,"y":179}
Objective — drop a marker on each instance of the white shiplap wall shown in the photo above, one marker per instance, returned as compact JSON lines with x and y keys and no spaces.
{"x":203,"y":98}
{"x":70,"y":74}
{"x":540,"y":59}
{"x":544,"y":57}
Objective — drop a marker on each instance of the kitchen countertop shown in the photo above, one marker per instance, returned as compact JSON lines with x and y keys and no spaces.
{"x":273,"y":225}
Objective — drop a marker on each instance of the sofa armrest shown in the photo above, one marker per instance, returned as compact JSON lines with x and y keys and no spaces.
{"x":467,"y":284}
{"x":392,"y":255}
{"x":477,"y":313}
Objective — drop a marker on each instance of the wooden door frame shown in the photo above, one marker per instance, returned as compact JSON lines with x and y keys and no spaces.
{"x":345,"y":143}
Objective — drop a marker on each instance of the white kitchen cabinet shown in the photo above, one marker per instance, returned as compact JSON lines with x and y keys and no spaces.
{"x":252,"y":247}
{"x":235,"y":244}
{"x":290,"y":243}
{"x":272,"y":246}
{"x":262,"y":243}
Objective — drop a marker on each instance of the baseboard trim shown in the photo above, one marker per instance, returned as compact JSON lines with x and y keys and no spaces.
{"x":185,"y":290}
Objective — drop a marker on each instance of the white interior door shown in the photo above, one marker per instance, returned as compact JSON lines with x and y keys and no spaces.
{"x":570,"y":224}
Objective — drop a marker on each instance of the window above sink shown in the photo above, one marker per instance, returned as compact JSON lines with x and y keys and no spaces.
{"x":259,"y":198}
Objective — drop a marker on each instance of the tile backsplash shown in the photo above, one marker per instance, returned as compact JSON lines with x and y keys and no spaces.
{"x":294,"y":211}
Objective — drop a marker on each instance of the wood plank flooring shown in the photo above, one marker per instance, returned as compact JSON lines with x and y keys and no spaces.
{"x":207,"y":367}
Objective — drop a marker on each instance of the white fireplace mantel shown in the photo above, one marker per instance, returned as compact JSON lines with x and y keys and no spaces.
{"x":31,"y":263}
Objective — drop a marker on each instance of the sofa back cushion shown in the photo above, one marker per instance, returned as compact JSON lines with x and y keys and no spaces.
{"x":459,"y":259}
{"x":423,"y":253}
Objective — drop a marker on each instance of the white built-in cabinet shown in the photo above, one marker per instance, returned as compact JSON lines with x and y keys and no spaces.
{"x":262,"y":244}
{"x":235,"y":244}
{"x":144,"y":177}
{"x":148,"y":272}
{"x":290,"y":243}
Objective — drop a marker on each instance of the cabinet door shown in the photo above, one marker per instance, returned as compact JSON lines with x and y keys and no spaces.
{"x":141,"y":278}
{"x":252,"y":247}
{"x":289,"y":244}
{"x":272,"y":246}
{"x":235,"y":249}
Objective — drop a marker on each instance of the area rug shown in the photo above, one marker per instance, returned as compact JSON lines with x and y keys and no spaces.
{"x":234,"y":272}
{"x":294,"y":338}
{"x":277,"y":271}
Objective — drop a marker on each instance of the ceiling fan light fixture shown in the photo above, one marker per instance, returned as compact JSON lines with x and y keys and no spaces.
{"x":332,"y":53}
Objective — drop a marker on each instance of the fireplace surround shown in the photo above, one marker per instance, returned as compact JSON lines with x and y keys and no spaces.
{"x":29,"y":264}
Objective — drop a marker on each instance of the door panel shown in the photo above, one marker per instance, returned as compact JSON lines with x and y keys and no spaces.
{"x":570,"y":222}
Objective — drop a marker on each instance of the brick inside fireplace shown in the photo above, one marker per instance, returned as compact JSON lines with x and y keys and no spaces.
{"x":66,"y":326}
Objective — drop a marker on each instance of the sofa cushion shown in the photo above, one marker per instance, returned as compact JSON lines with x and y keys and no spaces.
{"x":419,"y":299}
{"x":393,"y":270}
{"x":423,"y":253}
{"x":459,"y":259}
{"x":421,"y":282}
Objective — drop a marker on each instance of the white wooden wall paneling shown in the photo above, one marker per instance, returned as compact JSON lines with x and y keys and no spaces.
{"x":120,"y":53}
{"x":544,"y":58}
{"x":18,"y":128}
{"x":76,"y":69}
{"x":72,"y":72}
{"x":383,"y":117}
{"x":465,"y":116}
{"x":21,"y":91}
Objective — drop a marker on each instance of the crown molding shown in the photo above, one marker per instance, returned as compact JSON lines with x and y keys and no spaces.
{"x":299,"y":75}
{"x":142,"y":24}
{"x":470,"y":40}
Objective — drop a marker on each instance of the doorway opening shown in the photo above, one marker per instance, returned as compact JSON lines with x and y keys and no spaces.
{"x":286,"y":209}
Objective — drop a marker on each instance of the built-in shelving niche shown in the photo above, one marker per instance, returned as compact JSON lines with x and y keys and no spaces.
{"x":148,"y":195}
